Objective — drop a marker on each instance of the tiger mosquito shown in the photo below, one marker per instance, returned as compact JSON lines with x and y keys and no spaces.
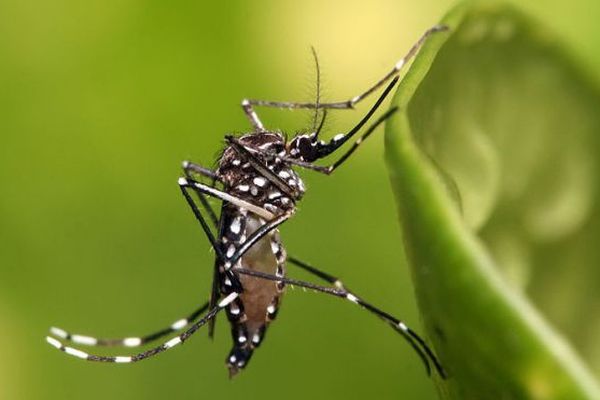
{"x":259,"y":190}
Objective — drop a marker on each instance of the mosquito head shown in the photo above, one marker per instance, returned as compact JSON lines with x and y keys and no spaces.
{"x":304,"y":147}
{"x":308,"y":147}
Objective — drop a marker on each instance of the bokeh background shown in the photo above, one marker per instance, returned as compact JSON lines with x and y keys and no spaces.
{"x":100,"y":101}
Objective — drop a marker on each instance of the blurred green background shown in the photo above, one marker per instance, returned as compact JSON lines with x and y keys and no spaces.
{"x":99,"y":104}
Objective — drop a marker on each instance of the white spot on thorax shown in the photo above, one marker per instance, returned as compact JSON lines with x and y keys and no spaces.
{"x":259,"y":181}
{"x":275,"y":194}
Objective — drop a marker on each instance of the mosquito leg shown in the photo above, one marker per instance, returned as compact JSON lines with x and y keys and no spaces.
{"x":340,"y":139}
{"x":189,"y":166}
{"x":236,"y":284}
{"x":184,"y":186}
{"x":252,"y":116}
{"x":188,"y":169}
{"x":148,"y":353}
{"x":417,"y":343}
{"x":129,"y":341}
{"x":318,"y":273}
{"x":338,"y":283}
{"x":211,"y":191}
{"x":347,"y":104}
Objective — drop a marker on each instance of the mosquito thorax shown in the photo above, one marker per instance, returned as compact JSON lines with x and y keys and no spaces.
{"x":242,"y":179}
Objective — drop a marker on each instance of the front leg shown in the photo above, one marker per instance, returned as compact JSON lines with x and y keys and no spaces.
{"x":346,"y":104}
{"x":252,"y":116}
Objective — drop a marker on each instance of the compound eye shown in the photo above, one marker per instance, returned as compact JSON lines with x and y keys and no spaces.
{"x":307,"y":150}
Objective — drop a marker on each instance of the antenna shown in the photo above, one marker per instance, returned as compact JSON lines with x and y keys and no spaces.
{"x":318,"y":100}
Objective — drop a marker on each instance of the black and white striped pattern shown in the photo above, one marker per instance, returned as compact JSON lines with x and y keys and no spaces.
{"x":133,"y":341}
{"x":72,"y":351}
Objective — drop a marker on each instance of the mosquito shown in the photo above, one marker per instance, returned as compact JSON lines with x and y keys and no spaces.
{"x":258,"y":188}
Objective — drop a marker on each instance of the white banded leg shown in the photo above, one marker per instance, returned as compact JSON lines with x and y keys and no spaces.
{"x":189,"y":168}
{"x":347,"y":104}
{"x":133,"y":341}
{"x":151,"y":352}
{"x":416,"y":342}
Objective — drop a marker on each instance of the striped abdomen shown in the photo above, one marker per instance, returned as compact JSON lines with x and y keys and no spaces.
{"x":257,"y":306}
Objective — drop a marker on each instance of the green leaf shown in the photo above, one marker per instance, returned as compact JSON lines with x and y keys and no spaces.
{"x":492,"y":162}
